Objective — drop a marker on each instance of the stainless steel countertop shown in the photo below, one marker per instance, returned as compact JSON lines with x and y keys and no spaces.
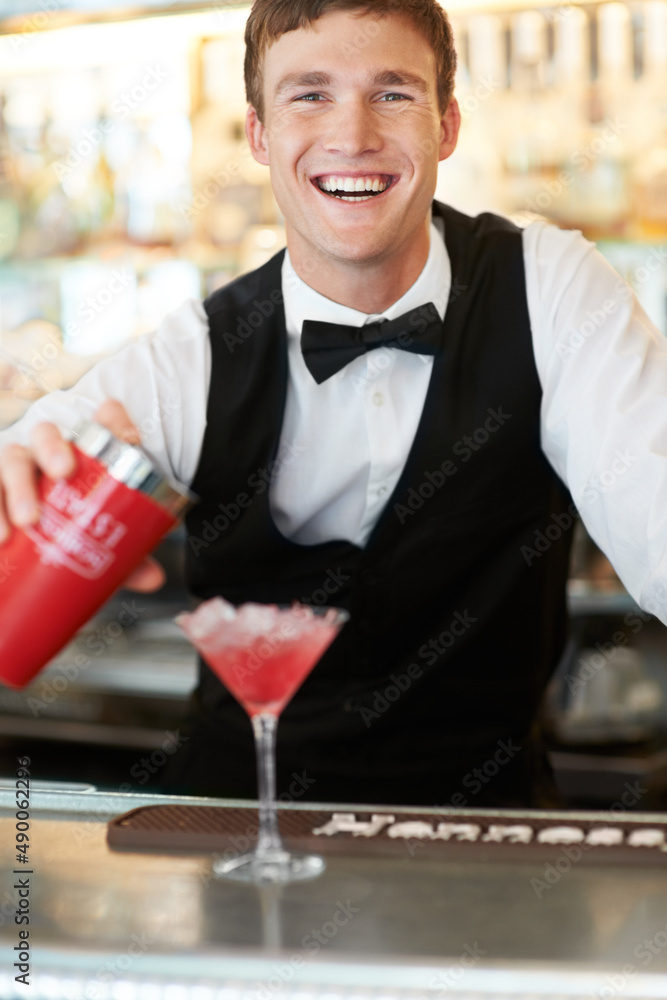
{"x":107,"y":925}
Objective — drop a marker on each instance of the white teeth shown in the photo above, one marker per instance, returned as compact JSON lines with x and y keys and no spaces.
{"x":333,"y":185}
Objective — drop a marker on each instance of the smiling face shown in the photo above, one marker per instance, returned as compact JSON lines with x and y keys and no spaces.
{"x":352,"y":134}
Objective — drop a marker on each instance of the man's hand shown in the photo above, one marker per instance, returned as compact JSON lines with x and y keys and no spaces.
{"x":48,"y":452}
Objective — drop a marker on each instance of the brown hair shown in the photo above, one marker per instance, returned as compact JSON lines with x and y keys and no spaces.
{"x":269,"y":19}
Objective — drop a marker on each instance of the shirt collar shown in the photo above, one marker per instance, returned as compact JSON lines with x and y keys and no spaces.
{"x":303,"y":302}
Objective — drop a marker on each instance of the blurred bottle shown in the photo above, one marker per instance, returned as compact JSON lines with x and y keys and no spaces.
{"x":571,"y":90}
{"x":600,"y":192}
{"x":149,"y":147}
{"x":152,"y":188}
{"x":531,"y":129}
{"x":230,"y":191}
{"x":82,"y":185}
{"x":472,"y":178}
{"x":10,"y":194}
{"x":25,"y":120}
{"x":649,"y":175}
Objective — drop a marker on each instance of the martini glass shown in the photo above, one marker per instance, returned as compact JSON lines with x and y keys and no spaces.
{"x":262,"y":653}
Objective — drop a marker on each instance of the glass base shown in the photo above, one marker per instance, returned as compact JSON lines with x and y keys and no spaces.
{"x":283,"y":866}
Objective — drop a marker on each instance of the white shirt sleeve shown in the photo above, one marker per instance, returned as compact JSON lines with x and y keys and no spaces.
{"x":162,"y":379}
{"x":603,"y":369}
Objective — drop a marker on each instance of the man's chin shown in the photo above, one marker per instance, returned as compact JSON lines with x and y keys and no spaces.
{"x":358,"y":245}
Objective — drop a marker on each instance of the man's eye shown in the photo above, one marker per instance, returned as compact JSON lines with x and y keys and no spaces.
{"x":394,"y":97}
{"x":309,"y":97}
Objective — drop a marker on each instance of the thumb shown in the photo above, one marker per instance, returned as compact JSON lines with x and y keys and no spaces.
{"x":113,"y":415}
{"x":147,"y":577}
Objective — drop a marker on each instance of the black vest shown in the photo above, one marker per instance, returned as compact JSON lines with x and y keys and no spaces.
{"x":457,"y":619}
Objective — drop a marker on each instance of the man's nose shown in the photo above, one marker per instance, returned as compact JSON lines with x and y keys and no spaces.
{"x":353,"y":130}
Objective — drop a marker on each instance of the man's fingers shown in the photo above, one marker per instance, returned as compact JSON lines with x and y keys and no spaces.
{"x":51,"y":452}
{"x":148,"y":576}
{"x":19,"y":469}
{"x":114,"y":416}
{"x":5,"y":524}
{"x":19,"y":479}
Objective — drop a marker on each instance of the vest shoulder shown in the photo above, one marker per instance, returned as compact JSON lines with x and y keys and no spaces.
{"x":486,"y":224}
{"x":263,"y":281}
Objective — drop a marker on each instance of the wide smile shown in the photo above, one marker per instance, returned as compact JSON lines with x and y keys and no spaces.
{"x":356,"y":189}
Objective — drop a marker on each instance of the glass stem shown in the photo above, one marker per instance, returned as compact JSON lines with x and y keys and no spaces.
{"x":264,"y":727}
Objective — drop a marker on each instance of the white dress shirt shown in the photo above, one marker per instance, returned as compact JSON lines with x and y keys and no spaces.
{"x":601,"y":363}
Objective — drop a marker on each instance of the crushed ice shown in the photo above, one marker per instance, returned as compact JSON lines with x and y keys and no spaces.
{"x":219,"y":622}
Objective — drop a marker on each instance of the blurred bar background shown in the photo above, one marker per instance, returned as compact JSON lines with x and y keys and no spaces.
{"x":127,"y":186}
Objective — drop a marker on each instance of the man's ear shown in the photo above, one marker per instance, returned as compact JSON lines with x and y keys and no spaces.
{"x":450,"y":123}
{"x":257,"y":137}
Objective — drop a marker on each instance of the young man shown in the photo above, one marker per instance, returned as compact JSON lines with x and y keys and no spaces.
{"x":410,"y":467}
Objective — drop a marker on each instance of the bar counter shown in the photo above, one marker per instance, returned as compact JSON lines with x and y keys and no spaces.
{"x":412,"y":922}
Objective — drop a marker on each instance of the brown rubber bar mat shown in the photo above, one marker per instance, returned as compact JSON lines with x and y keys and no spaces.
{"x":471,"y":836}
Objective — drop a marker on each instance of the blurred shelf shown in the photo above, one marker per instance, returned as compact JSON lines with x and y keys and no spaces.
{"x":584,"y":599}
{"x":14,"y":13}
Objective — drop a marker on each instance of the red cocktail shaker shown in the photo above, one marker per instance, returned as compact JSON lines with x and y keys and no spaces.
{"x":94,"y":529}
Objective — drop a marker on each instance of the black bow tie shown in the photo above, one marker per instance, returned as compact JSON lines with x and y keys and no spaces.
{"x":328,"y":347}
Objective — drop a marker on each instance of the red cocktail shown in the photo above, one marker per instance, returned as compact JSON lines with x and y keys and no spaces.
{"x":262,"y":653}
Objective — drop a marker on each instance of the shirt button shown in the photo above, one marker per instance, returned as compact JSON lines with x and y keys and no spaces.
{"x":382,"y":491}
{"x":378,"y":399}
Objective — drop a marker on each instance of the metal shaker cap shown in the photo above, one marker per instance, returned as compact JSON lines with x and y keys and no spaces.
{"x":130,"y":465}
